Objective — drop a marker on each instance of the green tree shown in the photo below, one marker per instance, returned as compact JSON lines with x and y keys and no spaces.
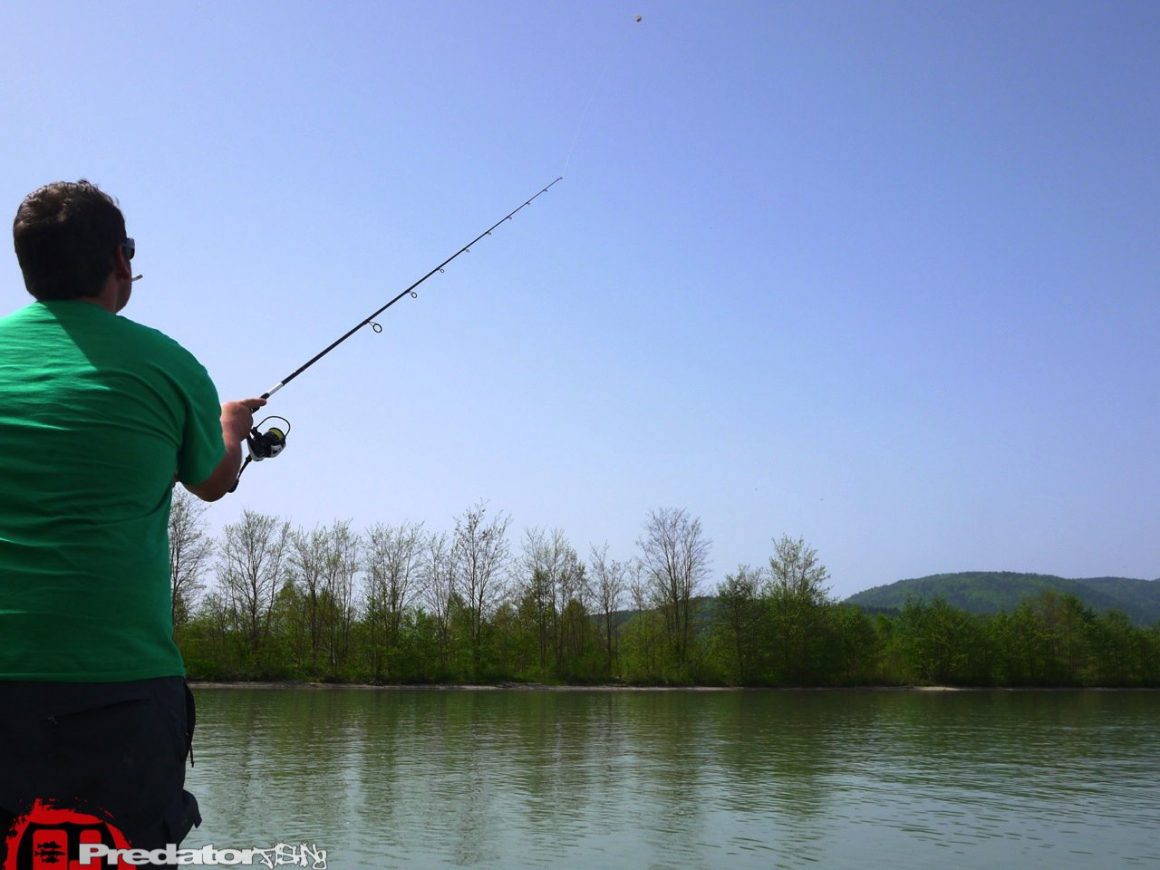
{"x":941,"y":644}
{"x":857,"y":648}
{"x":1065,"y":626}
{"x":741,"y":610}
{"x":797,"y":597}
{"x":1045,"y":641}
{"x":1119,"y":650}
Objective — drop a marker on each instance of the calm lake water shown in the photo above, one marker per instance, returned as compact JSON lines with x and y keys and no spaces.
{"x":747,"y":779}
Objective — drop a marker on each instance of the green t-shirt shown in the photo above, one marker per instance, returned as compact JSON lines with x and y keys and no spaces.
{"x":97,"y":413}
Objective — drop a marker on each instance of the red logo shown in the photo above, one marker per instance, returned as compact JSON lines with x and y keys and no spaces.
{"x":49,"y":837}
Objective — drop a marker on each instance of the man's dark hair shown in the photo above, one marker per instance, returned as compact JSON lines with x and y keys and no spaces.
{"x":66,"y":236}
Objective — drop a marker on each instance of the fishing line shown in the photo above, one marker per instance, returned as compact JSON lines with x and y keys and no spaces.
{"x":268,"y":444}
{"x":584,"y":114}
{"x":591,"y":99}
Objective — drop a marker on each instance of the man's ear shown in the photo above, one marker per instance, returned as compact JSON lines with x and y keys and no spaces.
{"x":121,"y":268}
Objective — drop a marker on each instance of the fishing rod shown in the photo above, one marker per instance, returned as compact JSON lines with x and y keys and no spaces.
{"x":268,"y":444}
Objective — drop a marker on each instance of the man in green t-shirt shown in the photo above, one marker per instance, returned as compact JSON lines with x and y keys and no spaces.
{"x":99,"y":417}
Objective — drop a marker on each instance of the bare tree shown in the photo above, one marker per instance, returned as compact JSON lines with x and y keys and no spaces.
{"x":480,"y":552}
{"x":539,"y":563}
{"x":393,"y":568}
{"x":608,"y":578}
{"x":675,"y":555}
{"x":342,"y":563}
{"x":221,"y":624}
{"x":438,"y":580}
{"x":190,"y":551}
{"x":573,"y":625}
{"x":307,"y":563}
{"x":556,"y":580}
{"x":643,"y":621}
{"x":250,"y":571}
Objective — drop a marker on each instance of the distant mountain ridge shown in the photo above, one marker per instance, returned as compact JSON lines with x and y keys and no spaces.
{"x":995,"y":591}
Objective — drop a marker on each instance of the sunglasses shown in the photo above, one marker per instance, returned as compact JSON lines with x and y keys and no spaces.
{"x":129,"y":247}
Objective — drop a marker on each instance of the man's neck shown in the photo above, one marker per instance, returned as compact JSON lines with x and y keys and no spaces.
{"x":112,"y":296}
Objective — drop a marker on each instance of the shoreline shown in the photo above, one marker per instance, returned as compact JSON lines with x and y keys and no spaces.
{"x":545,"y":687}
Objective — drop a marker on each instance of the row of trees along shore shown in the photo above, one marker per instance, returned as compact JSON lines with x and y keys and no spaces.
{"x":400,"y":604}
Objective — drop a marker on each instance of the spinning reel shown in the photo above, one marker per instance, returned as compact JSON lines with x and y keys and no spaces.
{"x":264,"y":445}
{"x":268,"y":444}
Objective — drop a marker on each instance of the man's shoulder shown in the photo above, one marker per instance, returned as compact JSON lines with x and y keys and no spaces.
{"x":25,"y":312}
{"x":141,"y":332}
{"x":157,"y":341}
{"x":157,"y":356}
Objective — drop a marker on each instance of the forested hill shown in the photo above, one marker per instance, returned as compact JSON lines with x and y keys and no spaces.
{"x":991,"y":592}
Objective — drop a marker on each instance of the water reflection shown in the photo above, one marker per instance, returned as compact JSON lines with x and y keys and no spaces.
{"x":683,"y":779}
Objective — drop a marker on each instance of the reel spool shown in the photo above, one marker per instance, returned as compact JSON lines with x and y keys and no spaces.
{"x":268,"y":444}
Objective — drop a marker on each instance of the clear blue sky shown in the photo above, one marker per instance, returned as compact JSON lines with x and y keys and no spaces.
{"x":883,"y":275}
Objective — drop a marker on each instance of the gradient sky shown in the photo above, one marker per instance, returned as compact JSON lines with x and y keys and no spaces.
{"x":882,"y":275}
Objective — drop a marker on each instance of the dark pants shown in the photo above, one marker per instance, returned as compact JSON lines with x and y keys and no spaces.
{"x":114,"y":750}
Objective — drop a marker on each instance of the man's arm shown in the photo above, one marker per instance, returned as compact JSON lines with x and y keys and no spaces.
{"x":237,"y":421}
